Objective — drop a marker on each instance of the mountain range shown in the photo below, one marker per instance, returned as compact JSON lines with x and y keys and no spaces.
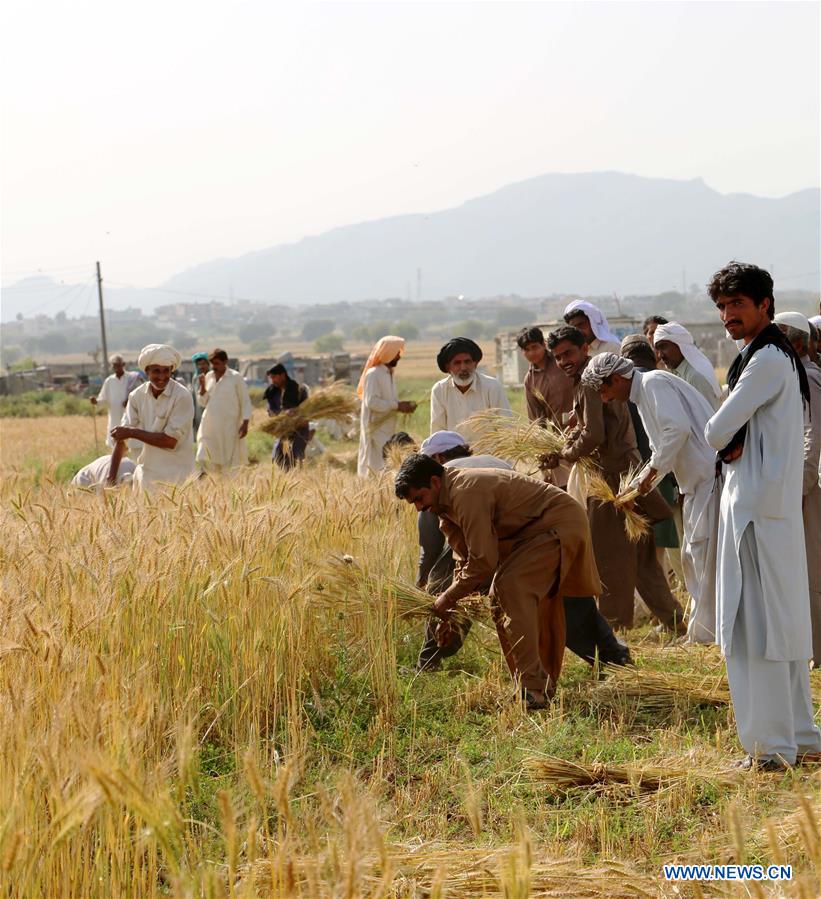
{"x":589,"y":234}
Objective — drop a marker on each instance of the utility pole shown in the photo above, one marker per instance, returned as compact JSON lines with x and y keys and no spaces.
{"x":102,"y":320}
{"x":418,"y":285}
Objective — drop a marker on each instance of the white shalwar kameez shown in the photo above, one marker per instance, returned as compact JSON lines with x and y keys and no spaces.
{"x":763,"y":610}
{"x":450,"y":407}
{"x":227,"y":405}
{"x":114,"y":393}
{"x":376,"y":424}
{"x":171,"y":413}
{"x":674,"y":415}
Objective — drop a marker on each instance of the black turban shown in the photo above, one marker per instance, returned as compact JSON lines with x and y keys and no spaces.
{"x":454,"y":347}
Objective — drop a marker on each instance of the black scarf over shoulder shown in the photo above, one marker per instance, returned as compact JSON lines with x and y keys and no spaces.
{"x":770,"y":336}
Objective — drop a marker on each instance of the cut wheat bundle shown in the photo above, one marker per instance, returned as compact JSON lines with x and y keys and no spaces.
{"x":335,"y":402}
{"x":564,"y":775}
{"x":635,"y":524}
{"x":661,"y":691}
{"x":516,"y":439}
{"x":343,"y":582}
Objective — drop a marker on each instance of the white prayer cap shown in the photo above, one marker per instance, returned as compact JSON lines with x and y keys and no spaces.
{"x":159,"y":354}
{"x":683,"y":339}
{"x":793,"y":320}
{"x":598,"y":320}
{"x":113,"y":360}
{"x":441,"y":442}
{"x":815,"y":320}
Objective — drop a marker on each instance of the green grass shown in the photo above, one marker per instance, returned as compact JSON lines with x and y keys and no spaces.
{"x":39,"y":403}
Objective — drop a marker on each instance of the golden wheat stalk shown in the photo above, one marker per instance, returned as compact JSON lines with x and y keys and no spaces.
{"x":635,"y":524}
{"x":563,"y":775}
{"x":343,"y":581}
{"x":661,"y":691}
{"x":335,"y":402}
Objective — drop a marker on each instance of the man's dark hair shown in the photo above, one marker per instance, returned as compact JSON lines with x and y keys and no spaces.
{"x":217,"y":353}
{"x":400,"y":438}
{"x":640,"y":354}
{"x":529,"y":335}
{"x":574,"y":335}
{"x":457,"y":452}
{"x":743,"y":278}
{"x":813,"y":332}
{"x":278,"y":369}
{"x":574,"y":313}
{"x":416,"y":471}
{"x":653,"y":320}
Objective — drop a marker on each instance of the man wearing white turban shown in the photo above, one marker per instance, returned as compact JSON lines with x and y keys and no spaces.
{"x":674,"y":415}
{"x":160,"y":414}
{"x":796,"y":328}
{"x":591,"y":321}
{"x":380,"y":403}
{"x":675,"y":346}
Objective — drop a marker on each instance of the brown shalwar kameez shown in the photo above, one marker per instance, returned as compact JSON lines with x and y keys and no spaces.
{"x":534,"y":540}
{"x":605,"y":432}
{"x":549,"y":397}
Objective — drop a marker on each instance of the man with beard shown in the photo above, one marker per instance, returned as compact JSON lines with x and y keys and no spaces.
{"x":675,"y":347}
{"x":763,"y":609}
{"x":464,"y":391}
{"x":605,"y":433}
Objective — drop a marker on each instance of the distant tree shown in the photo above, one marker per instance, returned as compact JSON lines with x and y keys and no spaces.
{"x":11,"y":354}
{"x":514,"y":315}
{"x":406,"y":329}
{"x":259,"y":346}
{"x":256,"y":330}
{"x":471,"y":327}
{"x":53,"y":343}
{"x":318,"y":327}
{"x":183,"y":341}
{"x":361,"y":332}
{"x":329,"y":343}
{"x":24,"y":364}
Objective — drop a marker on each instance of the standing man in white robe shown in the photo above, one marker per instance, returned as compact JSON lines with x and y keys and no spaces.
{"x":674,"y":415}
{"x":592,"y":322}
{"x":763,"y":609}
{"x":464,"y":390}
{"x":380,"y":403}
{"x":223,"y":395}
{"x":796,"y":329}
{"x":160,"y":415}
{"x":675,"y":346}
{"x":114,"y":394}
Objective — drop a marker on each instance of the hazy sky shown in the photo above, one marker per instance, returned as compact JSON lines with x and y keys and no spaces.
{"x":157,"y":135}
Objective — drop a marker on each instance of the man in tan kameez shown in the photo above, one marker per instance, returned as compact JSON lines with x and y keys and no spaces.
{"x":604,"y":433}
{"x":530,"y":537}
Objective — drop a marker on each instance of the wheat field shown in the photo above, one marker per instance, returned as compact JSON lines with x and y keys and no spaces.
{"x":189,"y":710}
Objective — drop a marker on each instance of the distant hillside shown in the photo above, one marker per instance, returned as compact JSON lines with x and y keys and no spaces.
{"x":589,"y":234}
{"x":586,"y":233}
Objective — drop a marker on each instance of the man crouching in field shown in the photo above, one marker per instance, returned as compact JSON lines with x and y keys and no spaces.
{"x":530,"y":537}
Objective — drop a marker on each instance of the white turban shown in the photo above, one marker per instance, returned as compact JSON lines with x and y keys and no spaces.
{"x":159,"y":354}
{"x":600,"y":367}
{"x":683,"y":339}
{"x":598,"y":322}
{"x":794,"y":320}
{"x":441,"y":442}
{"x":815,"y":320}
{"x":113,"y":360}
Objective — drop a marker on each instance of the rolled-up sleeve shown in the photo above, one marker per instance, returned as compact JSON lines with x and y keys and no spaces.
{"x":179,"y":419}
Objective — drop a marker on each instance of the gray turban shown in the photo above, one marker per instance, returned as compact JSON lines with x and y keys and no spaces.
{"x":600,"y":367}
